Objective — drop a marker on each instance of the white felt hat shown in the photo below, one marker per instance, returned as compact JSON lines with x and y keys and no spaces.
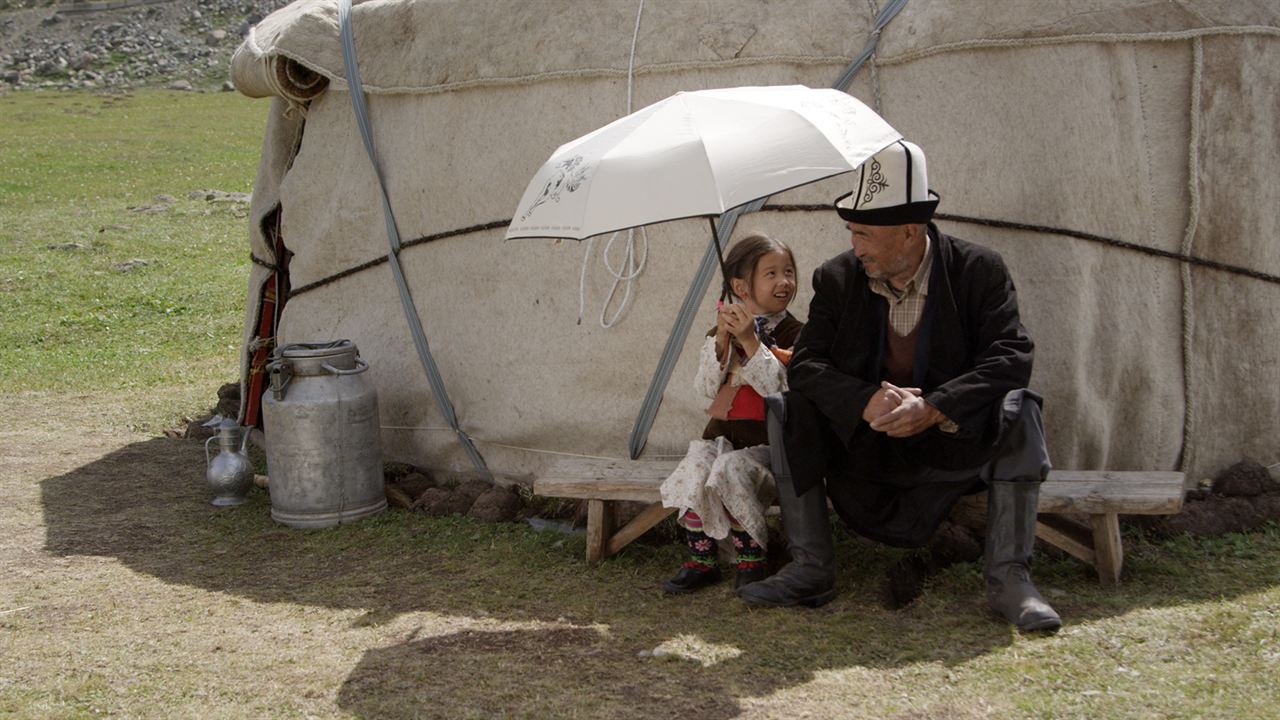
{"x":892,"y":188}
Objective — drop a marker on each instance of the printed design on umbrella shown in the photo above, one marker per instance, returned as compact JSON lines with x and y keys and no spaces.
{"x":875,"y":183}
{"x":843,"y":121}
{"x":570,"y":174}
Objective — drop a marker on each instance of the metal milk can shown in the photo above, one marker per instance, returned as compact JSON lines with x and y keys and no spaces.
{"x":321,"y":423}
{"x":229,"y":474}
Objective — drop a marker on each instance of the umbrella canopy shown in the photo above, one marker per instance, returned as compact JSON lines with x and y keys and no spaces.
{"x":697,"y":153}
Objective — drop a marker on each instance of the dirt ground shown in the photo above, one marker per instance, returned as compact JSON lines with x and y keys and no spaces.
{"x":124,"y":593}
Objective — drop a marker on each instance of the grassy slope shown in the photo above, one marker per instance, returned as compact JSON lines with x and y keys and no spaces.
{"x":123,"y":593}
{"x":74,"y":165}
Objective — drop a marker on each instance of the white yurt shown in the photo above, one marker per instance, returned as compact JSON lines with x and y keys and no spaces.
{"x":1120,"y":154}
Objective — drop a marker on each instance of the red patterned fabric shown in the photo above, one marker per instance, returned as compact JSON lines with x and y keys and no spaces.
{"x":265,"y":338}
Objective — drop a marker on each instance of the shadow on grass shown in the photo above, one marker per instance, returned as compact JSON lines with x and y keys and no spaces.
{"x":588,"y":627}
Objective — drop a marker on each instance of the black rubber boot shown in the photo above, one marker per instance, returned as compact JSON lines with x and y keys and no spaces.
{"x":810,"y":578}
{"x":701,"y":569}
{"x":749,"y":572}
{"x":691,"y":579}
{"x":751,"y":566}
{"x":1011,"y":535}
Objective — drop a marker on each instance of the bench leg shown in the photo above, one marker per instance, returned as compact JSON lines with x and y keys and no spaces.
{"x":1098,"y":544}
{"x":1067,"y":535}
{"x":1108,"y":551}
{"x":599,"y":528}
{"x":640,"y":524}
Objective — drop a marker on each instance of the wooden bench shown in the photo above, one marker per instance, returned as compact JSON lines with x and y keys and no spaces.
{"x":1101,"y":496}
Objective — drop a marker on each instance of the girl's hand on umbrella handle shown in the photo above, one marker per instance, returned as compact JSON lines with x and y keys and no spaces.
{"x":722,"y":334}
{"x":737,"y":319}
{"x":742,"y":324}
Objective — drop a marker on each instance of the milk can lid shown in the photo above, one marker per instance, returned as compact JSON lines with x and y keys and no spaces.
{"x":317,"y":350}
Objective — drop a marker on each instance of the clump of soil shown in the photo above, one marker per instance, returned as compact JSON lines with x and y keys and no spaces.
{"x":952,"y":543}
{"x":415,"y":483}
{"x":228,"y":401}
{"x":438,"y":501}
{"x":1241,"y":498}
{"x":1245,"y":479}
{"x":904,"y":582}
{"x":472,"y":489}
{"x":496,"y":505}
{"x":202,"y":427}
{"x":441,"y":493}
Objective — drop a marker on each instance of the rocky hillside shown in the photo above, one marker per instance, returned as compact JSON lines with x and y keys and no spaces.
{"x":184,"y":44}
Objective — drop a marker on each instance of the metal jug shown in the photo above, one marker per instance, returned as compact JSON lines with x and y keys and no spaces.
{"x":229,"y":474}
{"x":322,"y":429}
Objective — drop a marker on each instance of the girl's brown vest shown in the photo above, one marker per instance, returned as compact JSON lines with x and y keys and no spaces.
{"x":747,"y":433}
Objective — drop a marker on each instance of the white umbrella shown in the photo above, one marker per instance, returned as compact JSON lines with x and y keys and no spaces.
{"x":697,"y":154}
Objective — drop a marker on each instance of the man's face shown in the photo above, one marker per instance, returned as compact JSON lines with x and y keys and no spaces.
{"x":887,"y":252}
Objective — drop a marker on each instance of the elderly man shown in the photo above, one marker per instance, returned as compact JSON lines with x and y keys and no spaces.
{"x":908,"y":390}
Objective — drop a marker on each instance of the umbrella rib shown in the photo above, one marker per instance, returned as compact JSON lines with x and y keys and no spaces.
{"x":706,"y":157}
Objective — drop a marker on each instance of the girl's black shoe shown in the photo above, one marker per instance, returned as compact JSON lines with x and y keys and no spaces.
{"x":747,"y":573}
{"x":692,"y":577}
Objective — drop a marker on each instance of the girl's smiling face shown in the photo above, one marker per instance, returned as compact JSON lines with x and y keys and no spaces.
{"x":772,"y":286}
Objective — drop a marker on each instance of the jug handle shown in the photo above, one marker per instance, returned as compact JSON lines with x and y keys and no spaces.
{"x":207,"y":459}
{"x":281,"y":373}
{"x":360,"y":367}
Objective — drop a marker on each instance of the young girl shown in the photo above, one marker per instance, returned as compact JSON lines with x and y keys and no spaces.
{"x":723,"y":485}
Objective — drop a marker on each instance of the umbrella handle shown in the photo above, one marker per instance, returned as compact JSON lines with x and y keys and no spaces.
{"x":725,"y":293}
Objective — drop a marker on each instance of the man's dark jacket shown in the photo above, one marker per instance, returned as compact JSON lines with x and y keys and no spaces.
{"x":971,"y":350}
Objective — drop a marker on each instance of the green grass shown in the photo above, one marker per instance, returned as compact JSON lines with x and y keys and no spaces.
{"x":74,"y":166}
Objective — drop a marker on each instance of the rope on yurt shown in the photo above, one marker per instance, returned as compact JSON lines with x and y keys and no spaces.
{"x":1193,"y":219}
{"x":1078,"y":235}
{"x":393,"y":237}
{"x":1004,"y":43}
{"x":704,"y":66}
{"x":969,"y":220}
{"x":700,"y":66}
{"x":874,"y":68}
{"x":630,"y":269}
{"x":404,"y":244}
{"x":724,"y":230}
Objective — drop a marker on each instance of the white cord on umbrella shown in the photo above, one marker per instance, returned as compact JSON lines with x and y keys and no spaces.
{"x":630,"y":268}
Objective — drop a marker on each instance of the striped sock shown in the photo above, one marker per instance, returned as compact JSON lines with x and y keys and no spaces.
{"x":750,"y":554}
{"x":702,"y":549}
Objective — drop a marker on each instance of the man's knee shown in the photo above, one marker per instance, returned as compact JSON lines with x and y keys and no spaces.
{"x":1022,"y":402}
{"x":1022,"y":455}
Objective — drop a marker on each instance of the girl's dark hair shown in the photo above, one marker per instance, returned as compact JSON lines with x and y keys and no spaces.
{"x":743,"y":256}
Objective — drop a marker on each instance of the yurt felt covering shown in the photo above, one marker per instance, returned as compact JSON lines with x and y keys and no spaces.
{"x":1120,"y":155}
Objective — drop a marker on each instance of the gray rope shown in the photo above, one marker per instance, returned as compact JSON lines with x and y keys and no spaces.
{"x":393,"y":236}
{"x":1186,"y":458}
{"x":826,"y":207}
{"x":701,"y":279}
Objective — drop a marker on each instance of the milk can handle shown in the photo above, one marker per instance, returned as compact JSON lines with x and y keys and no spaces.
{"x":281,"y":374}
{"x":360,"y":367}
